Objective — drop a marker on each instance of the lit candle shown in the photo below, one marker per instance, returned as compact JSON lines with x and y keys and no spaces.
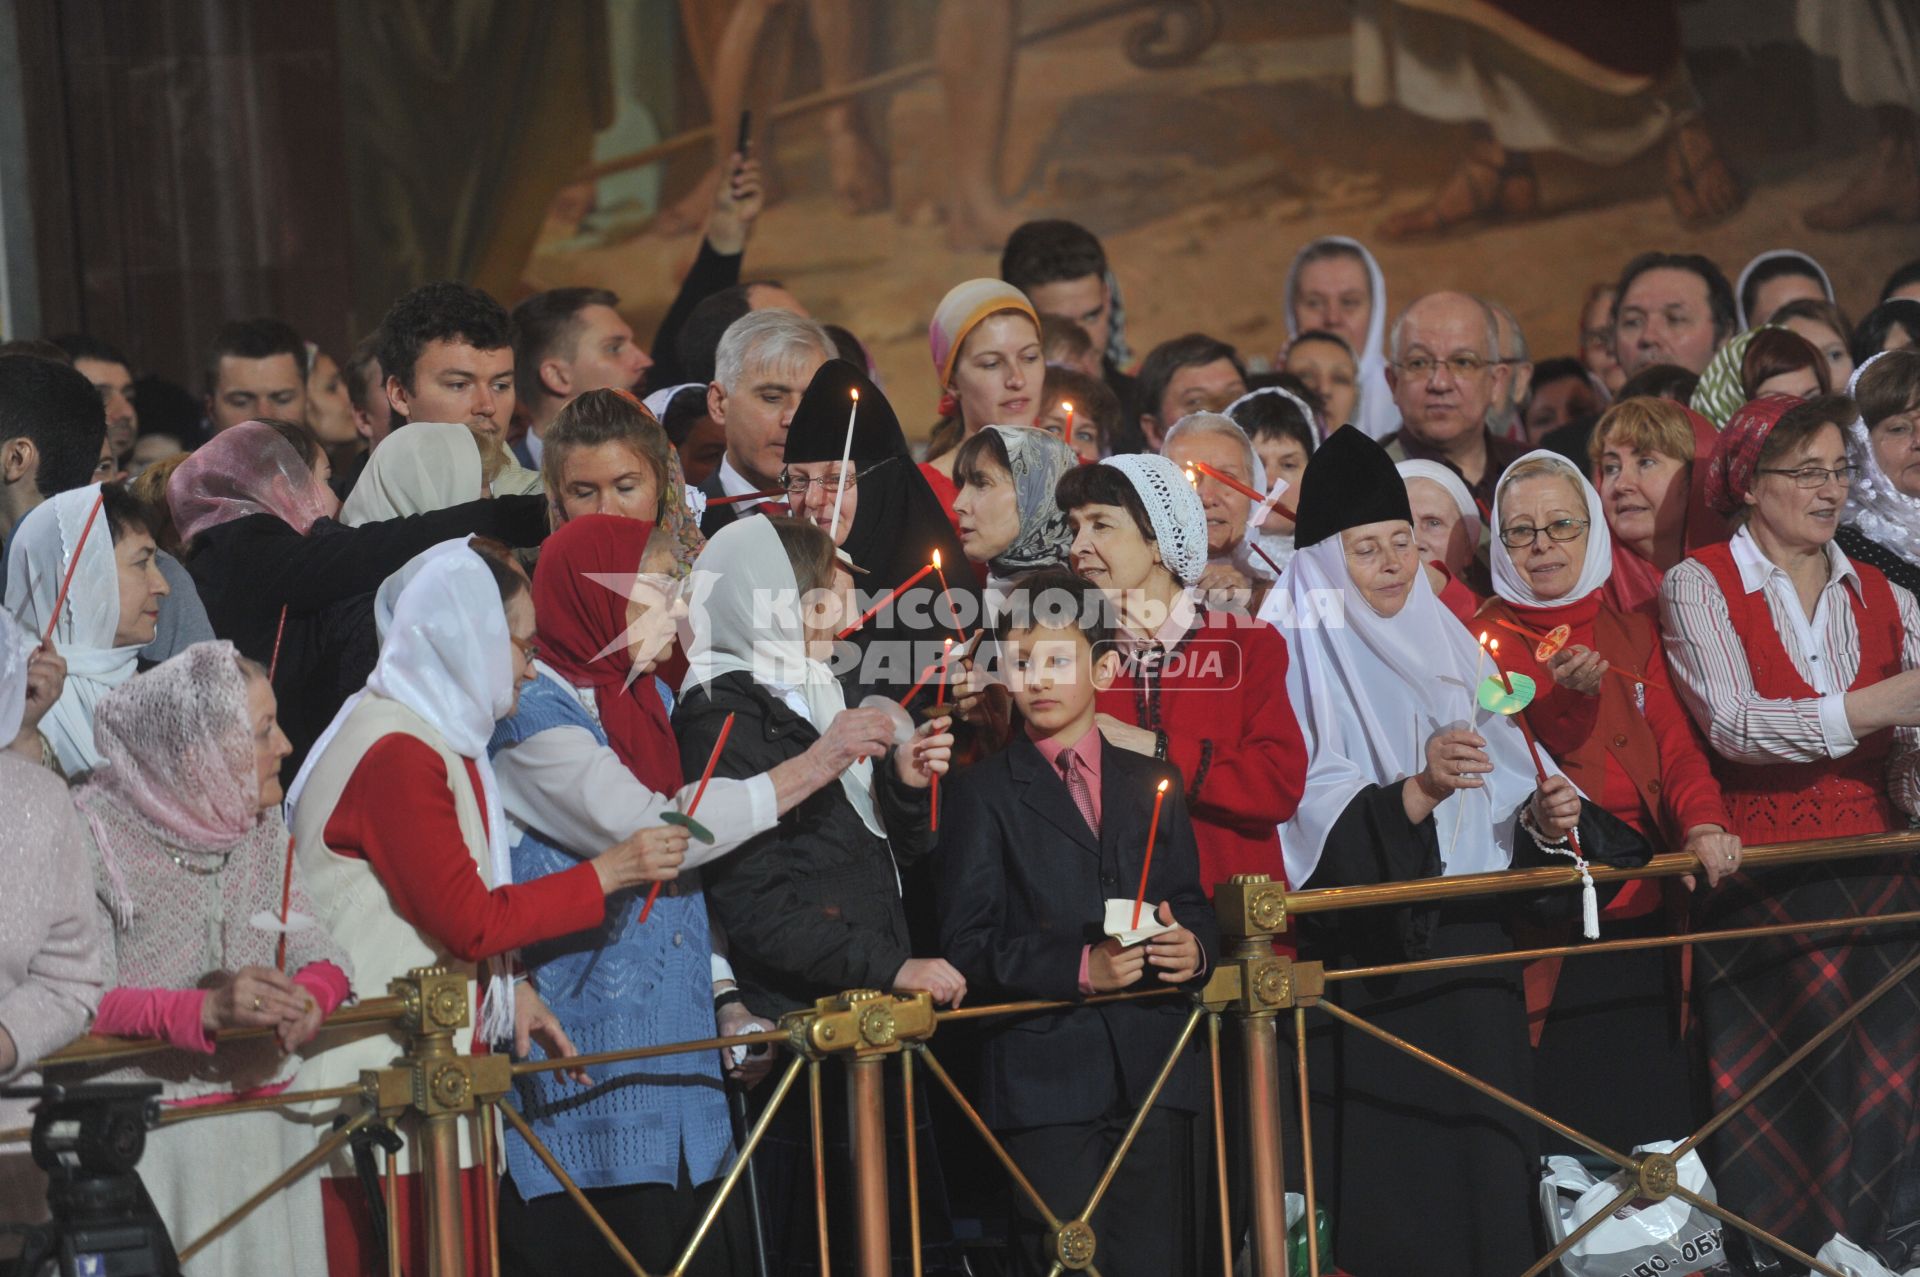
{"x":768,"y":495}
{"x":66,"y":582}
{"x":286,"y":904}
{"x":874,"y":611}
{"x":1493,"y":646}
{"x":939,"y":699}
{"x":1480,"y":663}
{"x":1068,"y":409}
{"x":1153,"y":828}
{"x":952,"y":610}
{"x":846,"y":456}
{"x":653,"y":893}
{"x":1246,"y":490}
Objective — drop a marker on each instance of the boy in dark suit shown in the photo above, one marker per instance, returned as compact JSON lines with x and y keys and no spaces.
{"x":1036,"y":839}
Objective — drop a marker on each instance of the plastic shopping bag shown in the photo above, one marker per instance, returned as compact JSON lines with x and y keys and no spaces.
{"x":1642,"y":1238}
{"x":1843,"y":1256}
{"x":1297,"y":1236}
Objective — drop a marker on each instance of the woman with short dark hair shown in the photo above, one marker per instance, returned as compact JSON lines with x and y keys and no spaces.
{"x":1883,"y":507}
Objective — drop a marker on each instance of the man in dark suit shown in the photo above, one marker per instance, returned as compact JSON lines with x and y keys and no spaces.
{"x":1035,"y":841}
{"x":765,"y":362}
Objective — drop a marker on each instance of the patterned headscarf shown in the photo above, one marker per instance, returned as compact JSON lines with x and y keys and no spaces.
{"x":1875,"y":504}
{"x":1037,"y":460}
{"x":679,"y":518}
{"x":1720,"y":392}
{"x":1737,"y":453}
{"x":247,"y":469}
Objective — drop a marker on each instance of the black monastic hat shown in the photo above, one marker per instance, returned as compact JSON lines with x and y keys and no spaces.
{"x":1349,"y":481}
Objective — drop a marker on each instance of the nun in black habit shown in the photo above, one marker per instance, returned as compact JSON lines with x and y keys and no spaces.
{"x":1408,"y":778}
{"x":887,"y":523}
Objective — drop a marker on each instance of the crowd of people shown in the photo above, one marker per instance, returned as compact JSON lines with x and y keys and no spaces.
{"x":667,"y":689}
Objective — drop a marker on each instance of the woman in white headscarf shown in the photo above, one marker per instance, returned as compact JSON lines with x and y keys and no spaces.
{"x":1447,"y":530}
{"x":1881,"y":525}
{"x":404,"y":847}
{"x":1607,"y":711}
{"x":1408,"y":779}
{"x":812,"y":906}
{"x":1773,"y":279}
{"x":111,"y":609}
{"x":431,"y":465}
{"x":1335,"y":285}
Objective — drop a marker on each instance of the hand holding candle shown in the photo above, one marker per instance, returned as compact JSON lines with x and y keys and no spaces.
{"x":952,"y":610}
{"x":653,"y":893}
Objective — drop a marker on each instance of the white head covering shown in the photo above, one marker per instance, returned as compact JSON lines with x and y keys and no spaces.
{"x":1773,"y":254}
{"x":37,"y":562}
{"x":1312,"y":418}
{"x":1876,"y":507}
{"x":746,"y":616}
{"x":448,"y":658}
{"x":1173,"y":508}
{"x":384,"y":601}
{"x":1455,"y":486}
{"x":1278,"y":547}
{"x":16,"y":650}
{"x":429,"y":466}
{"x":1375,"y":412}
{"x":1370,"y":690}
{"x":656,"y":403}
{"x":1510,"y":583}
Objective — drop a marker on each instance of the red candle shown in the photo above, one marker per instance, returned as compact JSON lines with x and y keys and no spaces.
{"x":1524,"y":632}
{"x":1245,"y":490}
{"x":874,"y":611}
{"x":939,"y":699}
{"x":1493,"y":646}
{"x":769,"y":495}
{"x":653,"y":893}
{"x":1153,"y":828}
{"x":952,"y":611}
{"x":66,"y":582}
{"x":286,"y":903}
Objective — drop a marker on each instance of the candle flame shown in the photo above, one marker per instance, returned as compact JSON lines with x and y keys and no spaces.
{"x":1190,"y":478}
{"x":1493,"y":645}
{"x":936,"y":560}
{"x":949,"y":643}
{"x":1067,"y":406}
{"x":856,"y":394}
{"x":1483,"y":638}
{"x":1163,"y":786}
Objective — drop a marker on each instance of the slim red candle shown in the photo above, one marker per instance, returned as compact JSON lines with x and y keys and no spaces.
{"x":653,"y":893}
{"x":887,"y":598}
{"x":286,"y":904}
{"x":1621,"y":670}
{"x":1245,"y":490}
{"x":66,"y":582}
{"x":768,"y":495}
{"x":1493,"y":646}
{"x":1153,"y":828}
{"x":952,"y":611}
{"x":939,"y":699}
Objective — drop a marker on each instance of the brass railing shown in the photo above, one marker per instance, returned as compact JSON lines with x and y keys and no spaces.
{"x":431,"y":1087}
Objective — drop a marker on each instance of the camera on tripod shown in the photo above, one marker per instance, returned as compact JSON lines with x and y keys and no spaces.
{"x":88,"y":1139}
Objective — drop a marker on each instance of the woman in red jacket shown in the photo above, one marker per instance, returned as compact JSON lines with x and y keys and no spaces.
{"x":1628,"y":744}
{"x":1203,"y":690}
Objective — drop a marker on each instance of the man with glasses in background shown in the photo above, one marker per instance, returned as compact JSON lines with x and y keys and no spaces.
{"x":1446,"y":374}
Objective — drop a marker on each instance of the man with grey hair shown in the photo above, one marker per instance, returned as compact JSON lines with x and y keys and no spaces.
{"x":765,"y":361}
{"x":1445,"y":376}
{"x":1504,"y":417}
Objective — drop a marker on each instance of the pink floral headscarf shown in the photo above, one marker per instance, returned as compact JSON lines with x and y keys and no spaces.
{"x":247,"y":469}
{"x":1736,"y":454}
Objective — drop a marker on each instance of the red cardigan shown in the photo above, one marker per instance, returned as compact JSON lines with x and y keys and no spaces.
{"x":397,"y":813}
{"x":1232,"y":735}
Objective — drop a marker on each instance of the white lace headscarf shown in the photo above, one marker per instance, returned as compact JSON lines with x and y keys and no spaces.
{"x":746,"y":617}
{"x":42,"y":550}
{"x":1875,"y":506}
{"x":1173,"y":508}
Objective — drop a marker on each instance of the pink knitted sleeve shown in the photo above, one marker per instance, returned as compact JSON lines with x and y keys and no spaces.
{"x":173,"y":1014}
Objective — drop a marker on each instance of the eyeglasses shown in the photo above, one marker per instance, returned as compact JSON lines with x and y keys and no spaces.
{"x":1814,"y":476}
{"x":527,"y":648}
{"x":1521,"y":535}
{"x":796,"y":485}
{"x":1418,"y":366}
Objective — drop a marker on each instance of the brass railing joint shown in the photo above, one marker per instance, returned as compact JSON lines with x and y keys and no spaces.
{"x":862,"y":1023}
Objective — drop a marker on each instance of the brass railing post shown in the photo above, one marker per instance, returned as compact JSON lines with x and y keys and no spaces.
{"x":865,"y":1026}
{"x":1253,"y":984}
{"x":437,"y":1086}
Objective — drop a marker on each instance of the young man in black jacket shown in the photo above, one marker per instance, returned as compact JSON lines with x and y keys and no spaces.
{"x":1035,"y":841}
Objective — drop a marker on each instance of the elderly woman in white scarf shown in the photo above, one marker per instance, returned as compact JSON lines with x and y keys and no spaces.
{"x":404,"y":844}
{"x":90,"y":553}
{"x":1882,"y":521}
{"x":195,"y":890}
{"x":1407,"y":778}
{"x":1447,"y":530}
{"x":812,"y":906}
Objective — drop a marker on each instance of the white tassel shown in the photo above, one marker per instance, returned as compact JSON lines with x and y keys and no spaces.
{"x":1589,"y":905}
{"x":496,"y":1009}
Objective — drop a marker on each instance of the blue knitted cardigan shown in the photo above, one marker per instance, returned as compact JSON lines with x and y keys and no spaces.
{"x":616,"y":986}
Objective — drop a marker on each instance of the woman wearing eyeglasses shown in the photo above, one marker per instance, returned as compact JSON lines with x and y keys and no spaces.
{"x":1629,"y":745}
{"x":1803,"y":667}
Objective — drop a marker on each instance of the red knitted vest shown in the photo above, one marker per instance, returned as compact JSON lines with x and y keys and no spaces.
{"x":1836,"y":797}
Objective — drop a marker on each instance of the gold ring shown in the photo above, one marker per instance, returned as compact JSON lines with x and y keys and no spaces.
{"x":256,"y":1003}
